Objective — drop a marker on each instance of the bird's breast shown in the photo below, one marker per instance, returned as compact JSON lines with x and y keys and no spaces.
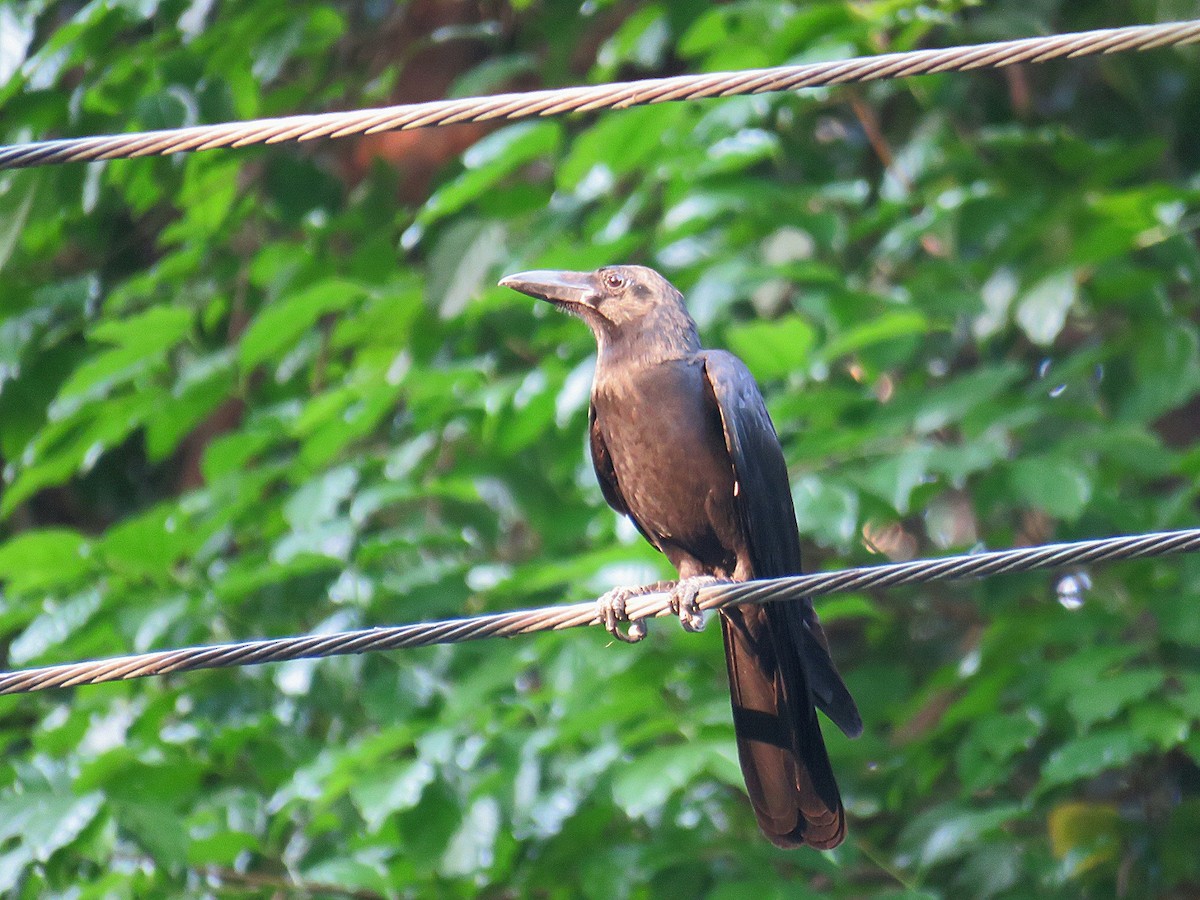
{"x":667,"y":446}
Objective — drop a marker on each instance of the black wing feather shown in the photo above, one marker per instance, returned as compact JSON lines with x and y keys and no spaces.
{"x":764,"y":502}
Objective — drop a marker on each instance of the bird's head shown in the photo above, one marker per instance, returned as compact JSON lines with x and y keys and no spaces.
{"x":627,"y":307}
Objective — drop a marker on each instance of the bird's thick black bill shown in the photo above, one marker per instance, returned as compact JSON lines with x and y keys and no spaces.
{"x":570,"y":288}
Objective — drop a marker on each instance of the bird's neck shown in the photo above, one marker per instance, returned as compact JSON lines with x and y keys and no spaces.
{"x":657,"y":339}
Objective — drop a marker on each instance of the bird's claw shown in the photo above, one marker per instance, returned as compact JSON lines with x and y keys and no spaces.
{"x":611,"y":610}
{"x":683,"y":601}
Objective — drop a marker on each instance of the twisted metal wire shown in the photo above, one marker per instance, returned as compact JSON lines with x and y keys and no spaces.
{"x":557,"y":618}
{"x":605,"y":96}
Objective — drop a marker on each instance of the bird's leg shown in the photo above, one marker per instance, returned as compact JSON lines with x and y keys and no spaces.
{"x":611,"y":610}
{"x":683,"y":600}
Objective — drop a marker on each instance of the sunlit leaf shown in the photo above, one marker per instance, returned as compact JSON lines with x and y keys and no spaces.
{"x":42,"y":559}
{"x":1090,"y":755}
{"x":278,"y":326}
{"x":1042,"y":310}
{"x":773,"y":349}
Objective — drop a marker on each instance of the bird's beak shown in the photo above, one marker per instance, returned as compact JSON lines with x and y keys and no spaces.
{"x":569,"y":289}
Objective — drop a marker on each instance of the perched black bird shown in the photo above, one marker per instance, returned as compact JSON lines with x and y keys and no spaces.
{"x":682,"y":444}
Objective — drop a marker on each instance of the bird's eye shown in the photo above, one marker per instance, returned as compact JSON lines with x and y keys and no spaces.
{"x":613,"y":281}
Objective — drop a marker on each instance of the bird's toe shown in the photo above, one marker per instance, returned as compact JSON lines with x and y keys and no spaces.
{"x":684,"y":603}
{"x":610,"y":609}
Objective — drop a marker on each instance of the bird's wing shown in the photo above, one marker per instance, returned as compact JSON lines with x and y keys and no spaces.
{"x":763,"y":495}
{"x":603,"y":464}
{"x":606,"y":474}
{"x":764,"y":503}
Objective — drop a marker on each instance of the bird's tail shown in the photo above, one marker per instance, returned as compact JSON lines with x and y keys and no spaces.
{"x":787,"y":771}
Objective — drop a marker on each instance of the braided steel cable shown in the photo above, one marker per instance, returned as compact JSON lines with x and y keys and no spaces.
{"x":556,"y":618}
{"x":605,"y":96}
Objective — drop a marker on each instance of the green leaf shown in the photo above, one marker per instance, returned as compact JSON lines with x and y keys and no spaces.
{"x":1057,"y":486}
{"x":150,"y":544}
{"x":96,"y":377}
{"x":167,"y":108}
{"x":991,"y":743}
{"x":222,"y":848}
{"x":36,"y":560}
{"x":460,"y":262}
{"x":349,"y":875}
{"x":741,"y":150}
{"x":472,"y":847}
{"x":153,"y":331}
{"x":58,"y":625}
{"x":1118,"y":692}
{"x":1042,"y":310}
{"x":318,"y":500}
{"x":894,"y":479}
{"x":948,"y":833}
{"x":1085,"y":668}
{"x":638,"y":132}
{"x":643,"y":786}
{"x":642,"y":41}
{"x":203,"y":387}
{"x":141,"y":341}
{"x":44,"y":822}
{"x":15,"y":206}
{"x":1160,"y":724}
{"x":826,"y":509}
{"x":888,"y":327}
{"x":1167,"y":370}
{"x":156,"y":829}
{"x":1187,"y":695}
{"x":73,"y":443}
{"x":1090,"y":755}
{"x":488,"y":162}
{"x":773,"y":349}
{"x":280,"y":324}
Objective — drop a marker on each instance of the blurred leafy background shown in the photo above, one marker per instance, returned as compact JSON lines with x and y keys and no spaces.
{"x":273,"y":391}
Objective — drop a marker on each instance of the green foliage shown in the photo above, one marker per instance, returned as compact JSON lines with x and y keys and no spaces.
{"x":254,"y":393}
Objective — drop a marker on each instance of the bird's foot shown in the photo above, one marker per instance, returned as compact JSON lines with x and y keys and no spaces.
{"x":683,"y":600}
{"x":611,"y":610}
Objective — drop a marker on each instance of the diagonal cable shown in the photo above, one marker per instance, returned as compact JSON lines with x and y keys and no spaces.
{"x":594,"y":97}
{"x":556,"y":618}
